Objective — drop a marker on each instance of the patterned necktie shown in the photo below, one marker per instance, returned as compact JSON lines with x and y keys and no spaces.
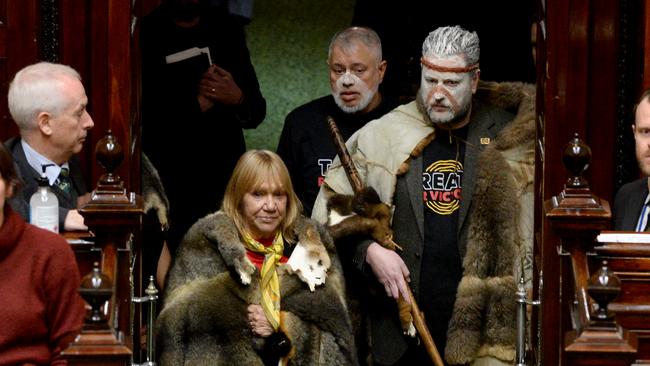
{"x":63,"y":181}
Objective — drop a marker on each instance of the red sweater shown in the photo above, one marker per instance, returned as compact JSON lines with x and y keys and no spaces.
{"x":40,"y":307}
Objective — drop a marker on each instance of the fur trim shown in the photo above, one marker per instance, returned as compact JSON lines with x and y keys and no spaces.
{"x":483,"y":321}
{"x":309,"y":260}
{"x":516,"y":97}
{"x":417,"y":151}
{"x":469,"y":299}
{"x":502,"y":354}
{"x":153,"y":192}
{"x":224,"y":232}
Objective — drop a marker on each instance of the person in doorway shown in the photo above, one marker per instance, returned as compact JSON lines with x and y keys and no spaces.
{"x":199,"y":91}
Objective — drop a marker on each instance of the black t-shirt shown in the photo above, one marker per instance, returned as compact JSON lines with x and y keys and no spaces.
{"x":306,"y":145}
{"x":441,"y":268}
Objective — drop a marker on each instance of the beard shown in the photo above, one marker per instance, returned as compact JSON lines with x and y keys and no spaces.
{"x":642,"y":162}
{"x":365,"y":93}
{"x":436,"y":118}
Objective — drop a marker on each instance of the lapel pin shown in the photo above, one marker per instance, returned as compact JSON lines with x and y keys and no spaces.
{"x":485,"y":140}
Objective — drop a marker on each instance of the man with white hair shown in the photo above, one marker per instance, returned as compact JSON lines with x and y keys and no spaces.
{"x":48,"y":103}
{"x":356,"y":69}
{"x":455,"y":189}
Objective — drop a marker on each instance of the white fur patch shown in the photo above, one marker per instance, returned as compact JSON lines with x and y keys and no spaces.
{"x":411,"y":331}
{"x":245,"y":277}
{"x":310,"y":266}
{"x":335,"y":217}
{"x":153,"y":201}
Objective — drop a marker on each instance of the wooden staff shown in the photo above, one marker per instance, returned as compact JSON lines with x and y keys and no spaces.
{"x":357,"y":186}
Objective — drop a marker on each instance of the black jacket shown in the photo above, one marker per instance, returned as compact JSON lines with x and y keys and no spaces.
{"x":628,"y":203}
{"x":28,"y":175}
{"x":306,"y":144}
{"x":184,"y":144}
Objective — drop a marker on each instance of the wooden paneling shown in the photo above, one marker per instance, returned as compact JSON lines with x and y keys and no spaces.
{"x":578,"y":80}
{"x":602,"y":85}
{"x":94,"y":37}
{"x":646,"y":53}
{"x":18,"y":48}
{"x":96,"y":40}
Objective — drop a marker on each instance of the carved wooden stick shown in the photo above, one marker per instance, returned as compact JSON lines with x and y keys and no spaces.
{"x":357,"y":186}
{"x":344,"y":155}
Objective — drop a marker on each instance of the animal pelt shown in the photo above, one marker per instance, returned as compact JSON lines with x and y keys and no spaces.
{"x":361,"y":214}
{"x":153,"y":193}
{"x":515,"y":97}
{"x":499,"y":241}
{"x":211,"y":283}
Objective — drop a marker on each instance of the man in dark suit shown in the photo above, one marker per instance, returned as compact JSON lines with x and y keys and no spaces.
{"x":631,"y":202}
{"x":48,"y":103}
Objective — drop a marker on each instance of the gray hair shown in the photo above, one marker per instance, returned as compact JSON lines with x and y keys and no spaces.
{"x":349,"y":36}
{"x":35,"y":89}
{"x":450,"y":41}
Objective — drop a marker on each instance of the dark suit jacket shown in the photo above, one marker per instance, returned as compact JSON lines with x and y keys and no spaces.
{"x":408,"y":227}
{"x":20,"y":201}
{"x":629,"y":203}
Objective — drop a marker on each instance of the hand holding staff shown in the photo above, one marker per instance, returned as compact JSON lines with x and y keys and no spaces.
{"x":357,"y":186}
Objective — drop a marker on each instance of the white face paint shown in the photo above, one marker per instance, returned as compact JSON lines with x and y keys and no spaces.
{"x":355,"y":75}
{"x":351,"y":85}
{"x":447,"y":96}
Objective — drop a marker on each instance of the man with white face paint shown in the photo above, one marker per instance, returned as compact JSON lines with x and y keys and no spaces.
{"x":439,"y":163}
{"x":356,"y":69}
{"x":632,"y":202}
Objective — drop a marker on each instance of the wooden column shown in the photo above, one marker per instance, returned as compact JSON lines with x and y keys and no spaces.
{"x":602,"y":341}
{"x":114,"y":216}
{"x":576,"y":216}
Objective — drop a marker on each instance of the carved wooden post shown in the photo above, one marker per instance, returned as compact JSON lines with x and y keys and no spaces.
{"x":603,"y":340}
{"x":113,"y":215}
{"x":577,"y":216}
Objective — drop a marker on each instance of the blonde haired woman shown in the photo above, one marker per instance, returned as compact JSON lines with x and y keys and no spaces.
{"x":256,"y":283}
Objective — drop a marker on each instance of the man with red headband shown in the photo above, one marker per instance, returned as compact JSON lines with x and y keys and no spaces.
{"x":458,"y":171}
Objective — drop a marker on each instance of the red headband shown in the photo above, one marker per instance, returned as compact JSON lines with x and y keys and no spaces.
{"x":459,"y":70}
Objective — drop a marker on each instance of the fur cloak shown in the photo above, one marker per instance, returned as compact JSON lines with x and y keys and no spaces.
{"x":500,"y":237}
{"x":500,"y":217}
{"x":212,"y":282}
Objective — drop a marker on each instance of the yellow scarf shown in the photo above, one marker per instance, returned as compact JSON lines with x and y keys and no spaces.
{"x":269,"y":277}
